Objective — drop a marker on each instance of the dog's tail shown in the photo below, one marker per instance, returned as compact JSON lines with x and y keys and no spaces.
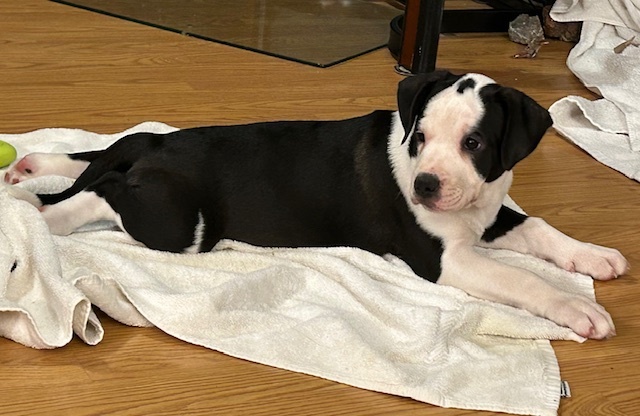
{"x":93,"y":172}
{"x":119,"y":157}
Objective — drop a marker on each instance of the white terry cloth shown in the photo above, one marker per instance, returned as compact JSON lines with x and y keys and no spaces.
{"x":338,"y":313}
{"x":608,"y":128}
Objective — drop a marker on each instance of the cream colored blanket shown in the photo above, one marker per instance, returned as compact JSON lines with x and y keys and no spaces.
{"x":338,"y":313}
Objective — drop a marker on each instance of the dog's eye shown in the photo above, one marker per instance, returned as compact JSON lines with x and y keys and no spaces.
{"x":419,"y":136}
{"x":472,"y":144}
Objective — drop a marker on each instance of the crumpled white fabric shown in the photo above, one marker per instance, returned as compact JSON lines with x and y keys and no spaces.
{"x":609,"y":128}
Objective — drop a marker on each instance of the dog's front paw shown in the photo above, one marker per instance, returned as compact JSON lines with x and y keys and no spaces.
{"x":585,"y":317}
{"x":599,"y":262}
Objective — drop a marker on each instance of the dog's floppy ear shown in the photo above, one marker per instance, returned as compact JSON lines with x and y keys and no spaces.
{"x":414,"y":91}
{"x":526,"y":122}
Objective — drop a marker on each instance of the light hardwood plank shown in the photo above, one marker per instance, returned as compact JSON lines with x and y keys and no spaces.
{"x":71,"y":68}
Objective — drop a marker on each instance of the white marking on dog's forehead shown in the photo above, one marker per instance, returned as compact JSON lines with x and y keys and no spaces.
{"x":480,"y":79}
{"x":454,"y":111}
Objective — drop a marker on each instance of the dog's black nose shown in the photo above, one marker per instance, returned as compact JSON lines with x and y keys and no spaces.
{"x":426,"y":185}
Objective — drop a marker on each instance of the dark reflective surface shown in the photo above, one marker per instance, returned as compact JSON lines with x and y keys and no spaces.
{"x":316,"y":32}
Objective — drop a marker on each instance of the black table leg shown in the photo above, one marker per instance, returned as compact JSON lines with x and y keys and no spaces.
{"x":420,"y":35}
{"x":424,"y":20}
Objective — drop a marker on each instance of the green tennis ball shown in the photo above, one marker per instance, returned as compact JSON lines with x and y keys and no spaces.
{"x":7,"y":154}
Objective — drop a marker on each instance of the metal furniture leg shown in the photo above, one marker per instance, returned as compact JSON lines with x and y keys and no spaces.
{"x":420,"y":36}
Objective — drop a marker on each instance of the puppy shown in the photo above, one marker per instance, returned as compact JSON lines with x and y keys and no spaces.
{"x":425,"y":183}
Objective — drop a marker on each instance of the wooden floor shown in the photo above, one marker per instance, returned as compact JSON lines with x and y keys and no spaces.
{"x":65,"y":67}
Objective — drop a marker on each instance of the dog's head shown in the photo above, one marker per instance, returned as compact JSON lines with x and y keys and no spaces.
{"x":462,"y":132}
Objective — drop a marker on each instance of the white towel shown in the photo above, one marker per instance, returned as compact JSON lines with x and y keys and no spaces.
{"x":609,"y":128}
{"x":338,"y":313}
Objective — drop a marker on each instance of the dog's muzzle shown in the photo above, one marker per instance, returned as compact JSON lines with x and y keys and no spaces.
{"x":426,"y":189}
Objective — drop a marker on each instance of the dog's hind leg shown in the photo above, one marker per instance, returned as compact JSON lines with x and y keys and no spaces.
{"x":157,"y":208}
{"x":151,"y":206}
{"x":119,"y":158}
{"x":34,"y":165}
{"x":82,"y":208}
{"x":92,"y":173}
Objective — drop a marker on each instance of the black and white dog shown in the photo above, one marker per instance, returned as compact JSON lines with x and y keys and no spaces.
{"x":425,"y":183}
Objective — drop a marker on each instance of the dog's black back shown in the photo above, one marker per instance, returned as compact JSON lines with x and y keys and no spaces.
{"x":278,"y":184}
